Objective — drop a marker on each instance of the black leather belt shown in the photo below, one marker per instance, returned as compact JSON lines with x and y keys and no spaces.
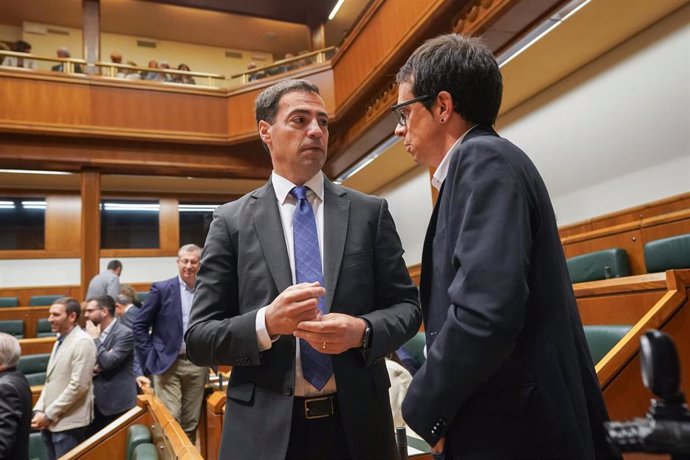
{"x":318,"y":407}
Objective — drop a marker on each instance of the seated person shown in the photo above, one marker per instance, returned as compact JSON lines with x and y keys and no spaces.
{"x":63,"y":52}
{"x":20,"y":46}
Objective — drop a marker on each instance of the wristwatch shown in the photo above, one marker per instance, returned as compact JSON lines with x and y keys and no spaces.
{"x":366,"y":337}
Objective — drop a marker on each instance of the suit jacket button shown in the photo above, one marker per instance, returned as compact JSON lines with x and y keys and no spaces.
{"x":289,"y":390}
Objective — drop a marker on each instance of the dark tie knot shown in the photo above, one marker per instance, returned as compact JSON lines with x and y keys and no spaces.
{"x":299,"y":192}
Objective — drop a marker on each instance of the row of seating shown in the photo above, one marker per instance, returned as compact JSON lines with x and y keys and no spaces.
{"x":15,"y":327}
{"x":34,"y":301}
{"x":140,"y":443}
{"x":34,"y":367}
{"x":660,"y":255}
{"x":600,"y":340}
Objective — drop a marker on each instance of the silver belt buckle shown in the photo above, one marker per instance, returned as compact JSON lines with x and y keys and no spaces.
{"x":307,"y":403}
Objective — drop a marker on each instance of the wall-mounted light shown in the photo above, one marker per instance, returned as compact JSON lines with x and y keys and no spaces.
{"x":335,"y":9}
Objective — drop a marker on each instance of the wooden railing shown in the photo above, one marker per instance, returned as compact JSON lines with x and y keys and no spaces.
{"x":286,"y":65}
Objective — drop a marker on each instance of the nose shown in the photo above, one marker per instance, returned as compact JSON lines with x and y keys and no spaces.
{"x":400,"y":130}
{"x":314,"y":129}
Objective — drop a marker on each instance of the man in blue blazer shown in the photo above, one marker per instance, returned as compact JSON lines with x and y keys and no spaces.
{"x":162,"y":353}
{"x":508,"y":372}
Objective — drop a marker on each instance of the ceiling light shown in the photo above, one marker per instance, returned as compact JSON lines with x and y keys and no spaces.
{"x":197,"y":207}
{"x":34,"y":171}
{"x":335,"y":9}
{"x":33,"y":204}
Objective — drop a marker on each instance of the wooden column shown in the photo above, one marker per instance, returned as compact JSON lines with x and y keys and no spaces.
{"x":92,"y":34}
{"x":90,"y":227}
{"x":318,"y":37}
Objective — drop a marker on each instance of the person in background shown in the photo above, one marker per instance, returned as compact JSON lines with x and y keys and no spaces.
{"x":129,"y":291}
{"x":64,"y":53}
{"x":186,"y":79}
{"x":162,"y":352}
{"x":107,"y":282}
{"x":15,"y":402}
{"x":114,"y":388}
{"x":508,"y":372}
{"x":65,"y":408}
{"x":153,"y":76}
{"x":20,"y":46}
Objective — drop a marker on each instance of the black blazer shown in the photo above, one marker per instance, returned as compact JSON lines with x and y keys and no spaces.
{"x":245,"y":266}
{"x":15,"y":415}
{"x":508,"y":373}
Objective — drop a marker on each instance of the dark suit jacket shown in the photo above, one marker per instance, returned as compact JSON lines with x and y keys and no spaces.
{"x":508,"y":372}
{"x":245,"y":266}
{"x":114,"y":388}
{"x":15,"y":415}
{"x":162,"y":312}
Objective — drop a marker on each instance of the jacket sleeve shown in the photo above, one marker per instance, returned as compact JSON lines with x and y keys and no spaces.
{"x":10,"y":418}
{"x":122,"y":348}
{"x":83,"y":361}
{"x":142,"y":324}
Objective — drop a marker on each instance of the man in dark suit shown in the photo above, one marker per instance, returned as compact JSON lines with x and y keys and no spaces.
{"x":508,"y":372}
{"x":15,"y":402}
{"x":303,"y":257}
{"x":114,"y":389}
{"x":162,"y":353}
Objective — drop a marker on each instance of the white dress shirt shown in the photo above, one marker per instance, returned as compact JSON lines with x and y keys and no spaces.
{"x":442,"y":170}
{"x":286,"y":205}
{"x":186,"y":299}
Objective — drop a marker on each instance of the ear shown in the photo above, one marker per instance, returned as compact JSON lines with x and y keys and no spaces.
{"x":265,"y":131}
{"x":445,"y":106}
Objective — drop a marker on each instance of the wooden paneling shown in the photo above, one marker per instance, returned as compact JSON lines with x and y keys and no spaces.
{"x":37,"y":346}
{"x":169,"y":225}
{"x":631,"y":241}
{"x":240,"y":114}
{"x":25,"y":293}
{"x":63,"y":223}
{"x":90,"y":227}
{"x":30,"y":315}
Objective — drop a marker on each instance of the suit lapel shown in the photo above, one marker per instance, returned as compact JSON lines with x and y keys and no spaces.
{"x":269,"y":230}
{"x":177,"y":300}
{"x":427,"y":262}
{"x":66,"y":345}
{"x":335,"y":219}
{"x":109,"y":339}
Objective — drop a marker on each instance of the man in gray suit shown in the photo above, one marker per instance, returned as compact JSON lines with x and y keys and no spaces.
{"x":114,"y":387}
{"x":107,"y":282}
{"x":302,"y":257}
{"x":65,"y":407}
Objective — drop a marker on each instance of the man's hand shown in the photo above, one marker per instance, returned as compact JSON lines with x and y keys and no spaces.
{"x":40,"y":421}
{"x":333,"y":333}
{"x":93,"y":330}
{"x":143,"y":382}
{"x":295,"y":304}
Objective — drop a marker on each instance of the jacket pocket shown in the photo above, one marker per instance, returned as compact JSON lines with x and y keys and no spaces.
{"x":240,"y":391}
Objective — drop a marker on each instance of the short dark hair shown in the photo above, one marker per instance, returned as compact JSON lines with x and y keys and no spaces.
{"x":21,"y":46}
{"x":114,"y":265}
{"x":71,"y":304}
{"x":266,"y":105}
{"x":104,"y":301}
{"x":463,"y":66}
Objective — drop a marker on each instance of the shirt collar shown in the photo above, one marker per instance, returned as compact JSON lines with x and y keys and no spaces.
{"x":184,"y":285}
{"x":282,"y":186}
{"x":442,"y":170}
{"x":110,"y":326}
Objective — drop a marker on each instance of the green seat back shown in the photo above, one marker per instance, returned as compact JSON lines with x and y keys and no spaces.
{"x":415,"y":348}
{"x":43,"y":328}
{"x":33,"y":364}
{"x":601,"y":339}
{"x":141,"y":297}
{"x":13,"y":327}
{"x":145,"y":451}
{"x":43,"y":300}
{"x":136,"y":435}
{"x":37,"y":450}
{"x":39,"y":378}
{"x":9,"y":302}
{"x":667,"y":253}
{"x":592,"y":266}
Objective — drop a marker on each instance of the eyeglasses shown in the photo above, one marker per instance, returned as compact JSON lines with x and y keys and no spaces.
{"x":400,"y":116}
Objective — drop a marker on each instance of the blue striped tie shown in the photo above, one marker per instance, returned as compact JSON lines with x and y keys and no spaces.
{"x":317,"y":368}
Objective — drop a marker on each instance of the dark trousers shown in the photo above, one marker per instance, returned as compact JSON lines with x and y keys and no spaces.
{"x":60,"y":442}
{"x":100,"y":421}
{"x":316,"y":439}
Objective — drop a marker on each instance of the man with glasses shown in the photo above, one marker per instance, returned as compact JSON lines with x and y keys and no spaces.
{"x":114,"y":388}
{"x":162,"y":353}
{"x":508,"y":372}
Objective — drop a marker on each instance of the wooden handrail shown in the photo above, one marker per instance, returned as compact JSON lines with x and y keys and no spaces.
{"x":319,"y":54}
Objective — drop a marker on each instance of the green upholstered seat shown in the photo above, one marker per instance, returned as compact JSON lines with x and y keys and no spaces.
{"x":13,"y":327}
{"x":415,"y":348}
{"x":667,"y":253}
{"x":592,"y":266}
{"x":37,"y":450}
{"x":601,"y":339}
{"x":43,"y":300}
{"x":136,"y":435}
{"x":9,"y":302}
{"x":43,"y":329}
{"x":141,"y":296}
{"x":34,"y":367}
{"x":145,"y":451}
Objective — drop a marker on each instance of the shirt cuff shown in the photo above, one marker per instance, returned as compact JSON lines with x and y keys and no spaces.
{"x":263,"y":340}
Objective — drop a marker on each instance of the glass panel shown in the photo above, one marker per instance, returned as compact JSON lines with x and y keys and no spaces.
{"x":195,"y":220}
{"x":22,"y":223}
{"x":130,"y":224}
